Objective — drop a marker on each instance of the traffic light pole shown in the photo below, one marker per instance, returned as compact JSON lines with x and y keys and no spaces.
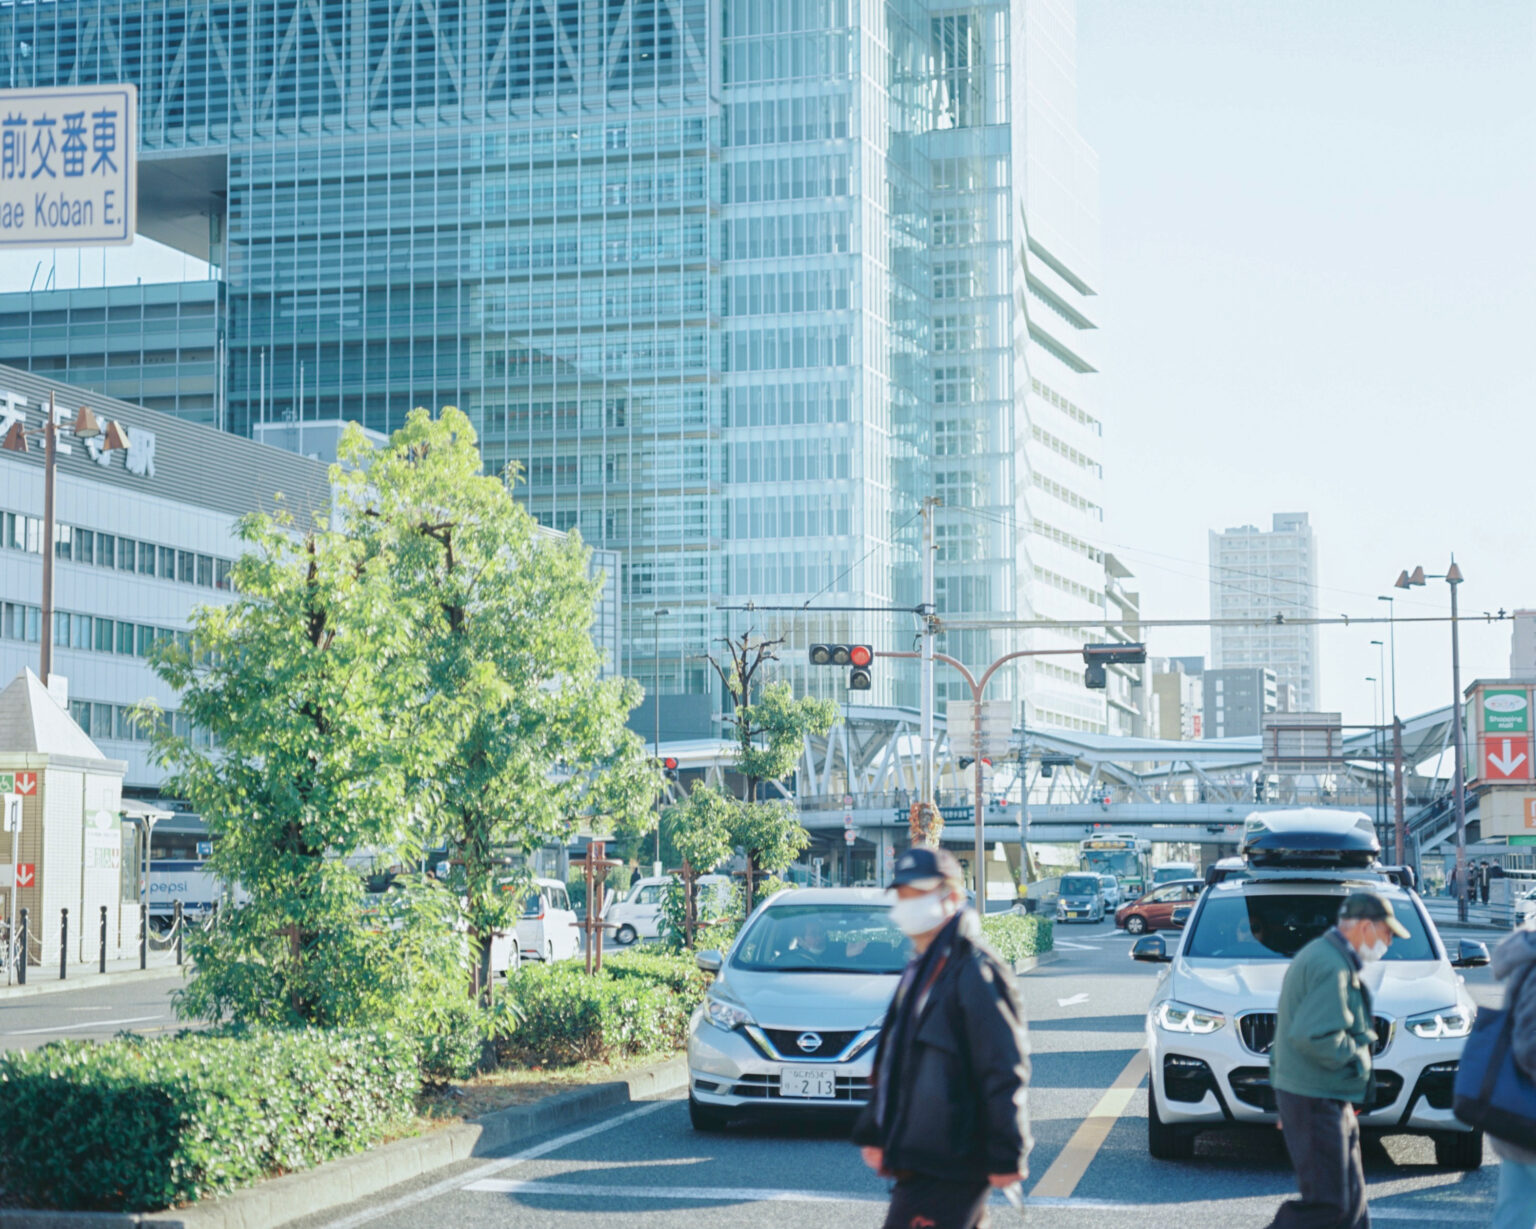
{"x":926,"y":613}
{"x":978,"y":688}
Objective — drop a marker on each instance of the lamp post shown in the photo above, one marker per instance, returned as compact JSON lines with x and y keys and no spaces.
{"x":1399,"y":836}
{"x":1453,"y":577}
{"x":657,"y":615}
{"x":1378,"y":782}
{"x":86,"y":427}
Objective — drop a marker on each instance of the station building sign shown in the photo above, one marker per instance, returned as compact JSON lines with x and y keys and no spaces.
{"x":68,"y":166}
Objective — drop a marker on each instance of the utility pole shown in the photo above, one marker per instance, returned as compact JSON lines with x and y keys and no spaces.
{"x":1453,"y":578}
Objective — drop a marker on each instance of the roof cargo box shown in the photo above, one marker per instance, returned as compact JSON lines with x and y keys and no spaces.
{"x":1310,"y":837}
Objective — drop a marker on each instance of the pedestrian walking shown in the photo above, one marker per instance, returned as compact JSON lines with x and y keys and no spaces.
{"x":1450,"y":883}
{"x":947,"y":1119}
{"x":1320,"y":1064}
{"x":1514,"y":964}
{"x":1482,"y":879}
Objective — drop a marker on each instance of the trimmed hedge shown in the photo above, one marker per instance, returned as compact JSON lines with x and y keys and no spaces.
{"x":131,"y":1125}
{"x":1014,"y":936}
{"x":677,"y":972}
{"x":568,"y":1017}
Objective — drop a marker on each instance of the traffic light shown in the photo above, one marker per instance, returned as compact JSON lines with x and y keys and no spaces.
{"x":1097,"y":656}
{"x":857,"y":657}
{"x":669,"y":767}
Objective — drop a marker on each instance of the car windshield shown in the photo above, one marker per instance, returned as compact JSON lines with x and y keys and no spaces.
{"x":1080,"y":885}
{"x":1168,"y":874}
{"x":817,"y":938}
{"x":1276,"y":927}
{"x":533,"y":904}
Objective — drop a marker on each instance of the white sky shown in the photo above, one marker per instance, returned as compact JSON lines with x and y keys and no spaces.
{"x":1320,"y":296}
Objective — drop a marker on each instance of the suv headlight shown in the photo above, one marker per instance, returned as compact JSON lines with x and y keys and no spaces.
{"x":725,"y":1014}
{"x":1447,"y":1022}
{"x":1176,"y":1017}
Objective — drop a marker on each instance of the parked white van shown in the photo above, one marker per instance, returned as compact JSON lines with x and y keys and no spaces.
{"x":638,"y":914}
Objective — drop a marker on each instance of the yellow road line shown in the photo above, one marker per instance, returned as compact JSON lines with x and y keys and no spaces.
{"x":1067,"y":1170}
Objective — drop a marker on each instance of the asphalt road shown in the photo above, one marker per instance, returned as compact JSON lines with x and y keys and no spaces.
{"x":140,"y":1005}
{"x":647,"y":1166}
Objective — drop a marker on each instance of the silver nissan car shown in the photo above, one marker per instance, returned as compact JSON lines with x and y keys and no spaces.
{"x":795,"y":1011}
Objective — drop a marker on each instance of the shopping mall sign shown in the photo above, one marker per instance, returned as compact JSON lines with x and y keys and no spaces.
{"x":1506,"y":710}
{"x":68,"y":166}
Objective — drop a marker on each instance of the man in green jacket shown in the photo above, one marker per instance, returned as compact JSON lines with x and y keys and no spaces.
{"x":1320,"y":1064}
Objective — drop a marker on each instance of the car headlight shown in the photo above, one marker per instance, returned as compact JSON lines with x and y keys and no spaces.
{"x":1447,"y":1022}
{"x":725,"y":1014}
{"x":1176,"y":1017}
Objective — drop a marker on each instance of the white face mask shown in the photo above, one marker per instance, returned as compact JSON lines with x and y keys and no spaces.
{"x":1374,"y":952}
{"x":918,"y":915}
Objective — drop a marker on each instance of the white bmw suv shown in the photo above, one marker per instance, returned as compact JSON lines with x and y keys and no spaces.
{"x":1213,"y":1015}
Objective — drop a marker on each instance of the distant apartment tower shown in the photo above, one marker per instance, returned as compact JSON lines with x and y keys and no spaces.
{"x":1258,"y":575}
{"x":1236,"y":700}
{"x":1522,"y":645}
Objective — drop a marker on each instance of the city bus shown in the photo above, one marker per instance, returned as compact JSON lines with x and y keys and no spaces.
{"x":1123,"y":855}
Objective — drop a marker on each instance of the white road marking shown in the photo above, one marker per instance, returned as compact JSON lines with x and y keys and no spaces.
{"x":1073,"y":1001}
{"x":448,"y":1185}
{"x":728,"y":1194}
{"x":78,"y":1027}
{"x":750,"y":1194}
{"x":1074,"y":945}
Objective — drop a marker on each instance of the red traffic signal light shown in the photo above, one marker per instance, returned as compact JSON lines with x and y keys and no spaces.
{"x":670,"y":763}
{"x":860,"y":655}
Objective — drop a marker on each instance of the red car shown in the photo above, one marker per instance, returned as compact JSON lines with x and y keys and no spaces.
{"x":1155,"y":910}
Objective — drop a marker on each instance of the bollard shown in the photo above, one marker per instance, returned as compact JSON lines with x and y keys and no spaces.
{"x":176,"y":925}
{"x":143,"y":936}
{"x":103,"y":965}
{"x":63,"y":943}
{"x":21,"y":964}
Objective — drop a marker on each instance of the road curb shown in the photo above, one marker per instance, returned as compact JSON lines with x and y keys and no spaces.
{"x":86,"y":981}
{"x":1030,"y":963}
{"x":278,"y":1201}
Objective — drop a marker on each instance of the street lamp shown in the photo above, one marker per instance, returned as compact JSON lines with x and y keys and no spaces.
{"x":1397,"y":735}
{"x":86,"y":427}
{"x":657,"y":615}
{"x":1378,"y":782}
{"x":1453,"y":577}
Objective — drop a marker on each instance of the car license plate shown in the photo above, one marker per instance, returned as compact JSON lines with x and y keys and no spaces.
{"x":814,"y":1082}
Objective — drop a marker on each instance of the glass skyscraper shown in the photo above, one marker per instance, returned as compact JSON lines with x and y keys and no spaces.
{"x":735,"y":283}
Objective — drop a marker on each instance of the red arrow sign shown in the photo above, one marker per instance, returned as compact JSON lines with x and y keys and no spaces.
{"x":26,"y":872}
{"x":1506,"y":759}
{"x":26,"y":783}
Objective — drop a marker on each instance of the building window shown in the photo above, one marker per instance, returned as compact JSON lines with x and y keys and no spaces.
{"x":167,"y":563}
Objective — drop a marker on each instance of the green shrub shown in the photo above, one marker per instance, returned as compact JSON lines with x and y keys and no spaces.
{"x":569,"y":1017}
{"x":142,"y":1125}
{"x":678,"y":974}
{"x":1017,"y":935}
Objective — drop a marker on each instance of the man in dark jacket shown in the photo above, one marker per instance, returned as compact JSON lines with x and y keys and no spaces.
{"x":1514,"y":964}
{"x":1320,"y":1064}
{"x":947,"y":1119}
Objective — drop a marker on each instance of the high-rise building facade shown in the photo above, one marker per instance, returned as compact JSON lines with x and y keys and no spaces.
{"x":735,"y":284}
{"x":1259,"y":575}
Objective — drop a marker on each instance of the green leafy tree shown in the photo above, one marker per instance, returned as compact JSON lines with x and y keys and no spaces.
{"x":298,"y":683}
{"x":700,"y":829}
{"x":522,"y":736}
{"x":769,"y":726}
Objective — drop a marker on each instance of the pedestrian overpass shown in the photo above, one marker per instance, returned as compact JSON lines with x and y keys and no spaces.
{"x":1063,"y":786}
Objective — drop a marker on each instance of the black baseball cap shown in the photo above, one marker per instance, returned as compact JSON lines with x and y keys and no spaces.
{"x":1373,"y":908}
{"x":922,"y":866}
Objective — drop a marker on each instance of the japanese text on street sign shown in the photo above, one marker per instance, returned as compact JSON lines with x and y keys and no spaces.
{"x":1506,"y":711}
{"x":68,"y":166}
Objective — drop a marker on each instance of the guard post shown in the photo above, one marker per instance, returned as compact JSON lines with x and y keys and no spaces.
{"x":102,"y":964}
{"x":63,"y":943}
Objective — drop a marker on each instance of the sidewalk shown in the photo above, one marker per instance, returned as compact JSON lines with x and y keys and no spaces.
{"x":44,"y":979}
{"x":1479,"y":917}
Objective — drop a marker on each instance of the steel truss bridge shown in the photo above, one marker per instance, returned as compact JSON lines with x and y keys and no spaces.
{"x":1064,"y":785}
